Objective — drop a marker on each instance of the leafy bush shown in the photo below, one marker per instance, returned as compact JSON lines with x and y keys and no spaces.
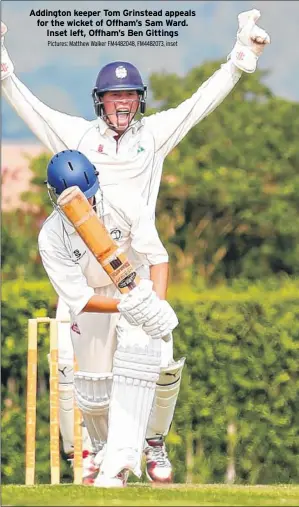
{"x":239,"y":399}
{"x":22,"y":300}
{"x":238,"y":403}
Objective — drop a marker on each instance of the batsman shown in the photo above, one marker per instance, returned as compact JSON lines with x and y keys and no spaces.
{"x":116,"y":292}
{"x":129,"y":148}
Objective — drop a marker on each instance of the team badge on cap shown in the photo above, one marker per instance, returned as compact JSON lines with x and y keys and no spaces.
{"x":121,"y":72}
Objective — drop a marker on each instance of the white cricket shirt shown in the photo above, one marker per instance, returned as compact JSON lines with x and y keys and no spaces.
{"x":137,"y":157}
{"x":74,"y":271}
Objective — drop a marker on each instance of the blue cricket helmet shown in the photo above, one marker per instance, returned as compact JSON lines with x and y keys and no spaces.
{"x":118,"y":76}
{"x":71,"y":168}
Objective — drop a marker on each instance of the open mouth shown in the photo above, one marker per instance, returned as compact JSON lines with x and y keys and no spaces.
{"x":122,"y":115}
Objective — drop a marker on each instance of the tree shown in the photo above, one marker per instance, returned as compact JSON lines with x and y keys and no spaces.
{"x":20,"y":227}
{"x":228,"y":203}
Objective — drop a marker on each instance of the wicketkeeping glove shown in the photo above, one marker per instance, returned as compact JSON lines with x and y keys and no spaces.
{"x":7,"y":67}
{"x":251,"y":41}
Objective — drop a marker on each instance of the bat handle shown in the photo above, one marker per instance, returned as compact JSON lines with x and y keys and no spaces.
{"x":121,"y":271}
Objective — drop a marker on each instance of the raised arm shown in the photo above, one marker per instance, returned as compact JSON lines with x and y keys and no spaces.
{"x":170,"y":127}
{"x":57,"y":131}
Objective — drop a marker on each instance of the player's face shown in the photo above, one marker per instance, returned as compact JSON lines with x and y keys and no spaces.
{"x":121,"y":107}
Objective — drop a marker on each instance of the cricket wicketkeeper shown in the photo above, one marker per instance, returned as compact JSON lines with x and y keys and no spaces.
{"x":129,"y":150}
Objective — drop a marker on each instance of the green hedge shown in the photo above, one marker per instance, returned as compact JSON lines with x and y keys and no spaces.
{"x":238,"y":404}
{"x":22,"y":300}
{"x":239,"y":401}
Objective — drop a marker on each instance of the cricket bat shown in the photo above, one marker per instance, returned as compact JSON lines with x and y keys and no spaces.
{"x":89,"y":226}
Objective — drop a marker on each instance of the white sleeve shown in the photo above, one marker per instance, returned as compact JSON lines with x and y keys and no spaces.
{"x":145,"y":240}
{"x":66,"y":277}
{"x":169,"y":127}
{"x":135,"y":217}
{"x":57,"y":131}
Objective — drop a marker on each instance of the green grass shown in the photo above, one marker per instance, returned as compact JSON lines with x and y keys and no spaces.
{"x":145,"y":495}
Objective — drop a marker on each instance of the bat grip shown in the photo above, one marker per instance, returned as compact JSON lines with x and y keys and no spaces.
{"x":121,"y":271}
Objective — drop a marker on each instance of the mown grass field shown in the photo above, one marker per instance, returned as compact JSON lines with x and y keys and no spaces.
{"x":145,"y":495}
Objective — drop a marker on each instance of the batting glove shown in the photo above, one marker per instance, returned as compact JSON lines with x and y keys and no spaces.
{"x":162,"y":324}
{"x":140,"y":304}
{"x":7,"y":67}
{"x":251,"y":42}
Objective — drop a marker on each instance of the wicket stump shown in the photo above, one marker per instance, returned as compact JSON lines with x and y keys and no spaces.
{"x":32,"y":360}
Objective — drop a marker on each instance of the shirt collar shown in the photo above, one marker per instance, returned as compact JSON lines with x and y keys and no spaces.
{"x":70,"y":229}
{"x":104,"y":129}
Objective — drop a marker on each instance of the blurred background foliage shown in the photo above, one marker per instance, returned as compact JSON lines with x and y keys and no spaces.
{"x":228,"y":214}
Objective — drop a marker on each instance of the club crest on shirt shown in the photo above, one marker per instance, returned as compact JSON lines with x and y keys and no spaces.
{"x":115,"y":234}
{"x":78,"y":254}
